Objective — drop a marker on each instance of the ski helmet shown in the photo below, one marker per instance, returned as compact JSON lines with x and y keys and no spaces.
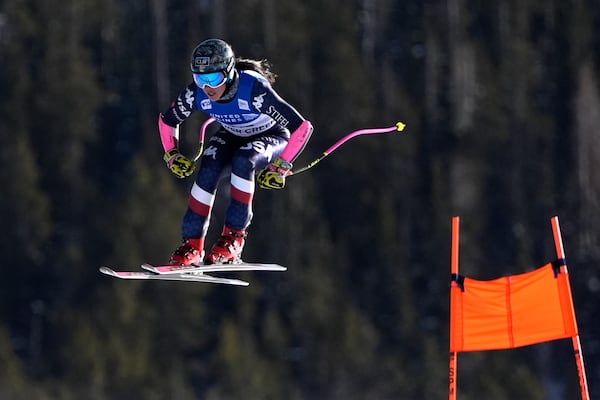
{"x":212,"y":55}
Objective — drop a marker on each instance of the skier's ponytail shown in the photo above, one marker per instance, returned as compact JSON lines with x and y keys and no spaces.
{"x":262,"y":67}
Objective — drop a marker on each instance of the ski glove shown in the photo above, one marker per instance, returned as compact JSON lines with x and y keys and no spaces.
{"x":179,"y":164}
{"x":273,"y":175}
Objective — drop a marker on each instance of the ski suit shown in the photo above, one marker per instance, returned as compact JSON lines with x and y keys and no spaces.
{"x":255,"y":125}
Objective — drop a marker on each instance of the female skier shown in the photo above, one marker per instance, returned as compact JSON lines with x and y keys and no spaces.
{"x":259,"y":131}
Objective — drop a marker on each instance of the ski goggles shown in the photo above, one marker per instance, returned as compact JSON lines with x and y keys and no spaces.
{"x":212,"y":79}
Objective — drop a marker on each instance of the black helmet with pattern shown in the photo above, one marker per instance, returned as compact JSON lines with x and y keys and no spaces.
{"x":212,"y":55}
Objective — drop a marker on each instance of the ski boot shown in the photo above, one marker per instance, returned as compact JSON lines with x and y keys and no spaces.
{"x":228,"y":248}
{"x":190,"y":252}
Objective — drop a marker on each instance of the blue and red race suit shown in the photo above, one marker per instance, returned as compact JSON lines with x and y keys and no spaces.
{"x":255,"y":125}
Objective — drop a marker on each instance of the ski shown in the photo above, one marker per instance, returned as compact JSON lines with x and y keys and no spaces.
{"x":201,"y":269}
{"x":141,"y":275}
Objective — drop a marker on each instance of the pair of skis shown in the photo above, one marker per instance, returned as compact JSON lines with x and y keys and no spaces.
{"x":192,"y":273}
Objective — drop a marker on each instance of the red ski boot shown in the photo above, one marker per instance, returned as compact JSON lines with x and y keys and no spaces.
{"x":190,"y":252}
{"x":228,"y":248}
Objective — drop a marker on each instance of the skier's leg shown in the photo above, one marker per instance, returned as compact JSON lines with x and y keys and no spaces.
{"x":197,"y":217}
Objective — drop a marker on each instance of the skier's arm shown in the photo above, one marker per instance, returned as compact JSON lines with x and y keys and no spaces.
{"x":168,"y":127}
{"x":169,"y":135}
{"x":285,"y":115}
{"x":297,"y":142}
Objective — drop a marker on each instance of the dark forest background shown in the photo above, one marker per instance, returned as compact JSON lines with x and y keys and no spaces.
{"x":501,"y":101}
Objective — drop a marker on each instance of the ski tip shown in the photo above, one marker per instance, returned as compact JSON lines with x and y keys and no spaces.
{"x":237,"y":282}
{"x":400,"y":126}
{"x":107,"y":271}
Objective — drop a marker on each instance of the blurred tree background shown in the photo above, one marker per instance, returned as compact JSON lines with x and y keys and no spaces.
{"x":502,"y":106}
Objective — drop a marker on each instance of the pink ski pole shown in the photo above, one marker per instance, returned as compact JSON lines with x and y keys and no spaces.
{"x":396,"y":128}
{"x":201,"y":138}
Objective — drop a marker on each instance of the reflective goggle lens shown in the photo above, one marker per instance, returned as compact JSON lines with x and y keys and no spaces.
{"x":212,"y":79}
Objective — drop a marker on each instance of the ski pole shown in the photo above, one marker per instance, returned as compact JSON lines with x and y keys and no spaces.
{"x":201,"y":139}
{"x":398,"y":128}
